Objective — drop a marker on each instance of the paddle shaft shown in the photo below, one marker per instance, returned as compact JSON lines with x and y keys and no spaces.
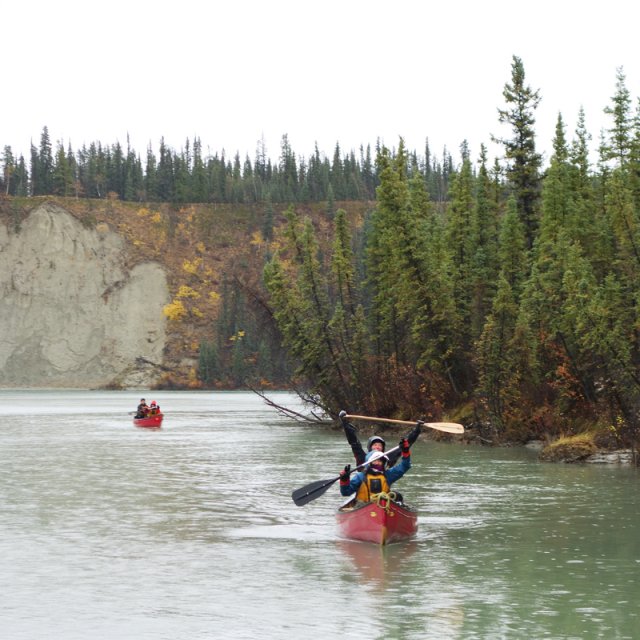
{"x":315,"y":489}
{"x":448,"y":427}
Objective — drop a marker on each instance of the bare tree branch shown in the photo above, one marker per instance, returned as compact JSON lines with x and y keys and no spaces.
{"x":313,"y":416}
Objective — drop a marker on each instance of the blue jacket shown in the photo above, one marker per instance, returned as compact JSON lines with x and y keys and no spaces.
{"x":395,"y":473}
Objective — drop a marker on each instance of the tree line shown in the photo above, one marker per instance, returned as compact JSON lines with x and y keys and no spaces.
{"x":517,"y":299}
{"x":190,"y":176}
{"x":509,"y":290}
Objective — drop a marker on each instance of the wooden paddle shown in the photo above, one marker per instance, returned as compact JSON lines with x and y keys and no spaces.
{"x":314,"y":490}
{"x":447,"y":427}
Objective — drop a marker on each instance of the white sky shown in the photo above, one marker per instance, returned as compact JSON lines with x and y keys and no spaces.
{"x":325,"y":71}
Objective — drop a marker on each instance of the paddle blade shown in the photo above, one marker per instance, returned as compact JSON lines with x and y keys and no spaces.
{"x":447,"y":427}
{"x":311,"y":491}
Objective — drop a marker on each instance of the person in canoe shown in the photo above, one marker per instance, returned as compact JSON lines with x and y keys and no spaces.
{"x":142,"y":410}
{"x":154,"y":409}
{"x":375,"y":443}
{"x":376,"y":477}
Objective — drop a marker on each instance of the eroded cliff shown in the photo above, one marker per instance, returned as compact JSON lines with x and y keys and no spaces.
{"x":71,"y":313}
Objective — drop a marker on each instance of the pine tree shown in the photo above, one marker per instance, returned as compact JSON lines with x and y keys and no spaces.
{"x":21,"y":178}
{"x":624,"y":220}
{"x":499,"y":351}
{"x":133,"y":177}
{"x":338,"y":182}
{"x":199,"y":187}
{"x":303,"y":312}
{"x":116,"y":171}
{"x":558,"y":194}
{"x":460,"y":226}
{"x":42,"y":166}
{"x":63,"y":180}
{"x":288,"y":171}
{"x":602,"y":325}
{"x":523,"y":171}
{"x":618,"y":147}
{"x":208,"y":368}
{"x":165,"y":174}
{"x":513,"y":257}
{"x":8,"y":170}
{"x":484,"y":261}
{"x":497,"y":377}
{"x":386,"y":258}
{"x":634,"y":157}
{"x":150,"y":177}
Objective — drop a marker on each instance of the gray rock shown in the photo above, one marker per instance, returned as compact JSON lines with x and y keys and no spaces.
{"x":621,"y":456}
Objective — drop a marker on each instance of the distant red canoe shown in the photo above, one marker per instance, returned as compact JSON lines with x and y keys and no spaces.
{"x":381,"y":522}
{"x":149,"y":421}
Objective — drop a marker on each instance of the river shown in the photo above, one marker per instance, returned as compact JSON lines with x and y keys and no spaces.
{"x":110,"y":531}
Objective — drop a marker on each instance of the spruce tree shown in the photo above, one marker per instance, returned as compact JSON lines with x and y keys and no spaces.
{"x":302,"y":308}
{"x":62,"y":181}
{"x":618,"y":147}
{"x":8,"y":170}
{"x":386,"y":254}
{"x":523,"y":169}
{"x":484,"y":234}
{"x":498,"y":351}
{"x":460,"y":227}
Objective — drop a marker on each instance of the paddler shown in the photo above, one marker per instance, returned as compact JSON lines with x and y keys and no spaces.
{"x":376,"y":477}
{"x":375,"y":443}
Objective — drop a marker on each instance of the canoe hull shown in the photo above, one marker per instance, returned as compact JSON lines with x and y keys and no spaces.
{"x":150,"y":421}
{"x":381,"y":522}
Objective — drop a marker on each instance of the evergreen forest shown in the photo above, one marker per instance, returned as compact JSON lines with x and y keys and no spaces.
{"x":505,"y":295}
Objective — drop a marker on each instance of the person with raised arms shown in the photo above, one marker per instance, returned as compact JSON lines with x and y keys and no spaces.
{"x":375,"y":443}
{"x":376,"y":478}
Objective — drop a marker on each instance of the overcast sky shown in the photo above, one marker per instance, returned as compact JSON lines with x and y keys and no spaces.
{"x":320,"y":71}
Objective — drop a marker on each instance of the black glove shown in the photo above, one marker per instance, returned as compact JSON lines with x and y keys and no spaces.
{"x":404,"y":446}
{"x":344,"y":475}
{"x":415,"y":432}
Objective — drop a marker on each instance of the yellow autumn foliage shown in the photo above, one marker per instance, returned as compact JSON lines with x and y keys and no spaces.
{"x":187,"y":292}
{"x":174,"y":310}
{"x":192,"y":266}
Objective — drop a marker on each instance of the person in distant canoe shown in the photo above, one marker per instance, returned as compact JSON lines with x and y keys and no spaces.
{"x":376,"y":477}
{"x":154,"y":409}
{"x":143,"y":409}
{"x":375,"y":443}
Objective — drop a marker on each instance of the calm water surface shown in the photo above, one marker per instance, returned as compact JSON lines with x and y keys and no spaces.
{"x":189,"y":532}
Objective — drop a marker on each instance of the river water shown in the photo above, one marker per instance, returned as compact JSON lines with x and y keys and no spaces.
{"x":189,"y":532}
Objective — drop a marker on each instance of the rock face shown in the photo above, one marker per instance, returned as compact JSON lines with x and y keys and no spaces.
{"x":71,"y":314}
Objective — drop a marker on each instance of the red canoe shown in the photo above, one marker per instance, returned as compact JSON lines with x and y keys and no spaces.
{"x":149,"y":421}
{"x":381,"y":521}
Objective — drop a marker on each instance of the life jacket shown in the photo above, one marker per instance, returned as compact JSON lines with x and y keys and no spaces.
{"x":372,"y":484}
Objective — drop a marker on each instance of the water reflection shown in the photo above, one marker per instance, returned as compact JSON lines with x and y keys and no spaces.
{"x":376,"y":564}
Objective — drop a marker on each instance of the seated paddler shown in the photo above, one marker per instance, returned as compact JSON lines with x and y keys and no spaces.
{"x":376,"y":477}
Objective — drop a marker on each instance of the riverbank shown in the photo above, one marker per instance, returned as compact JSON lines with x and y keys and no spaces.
{"x":591,"y":447}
